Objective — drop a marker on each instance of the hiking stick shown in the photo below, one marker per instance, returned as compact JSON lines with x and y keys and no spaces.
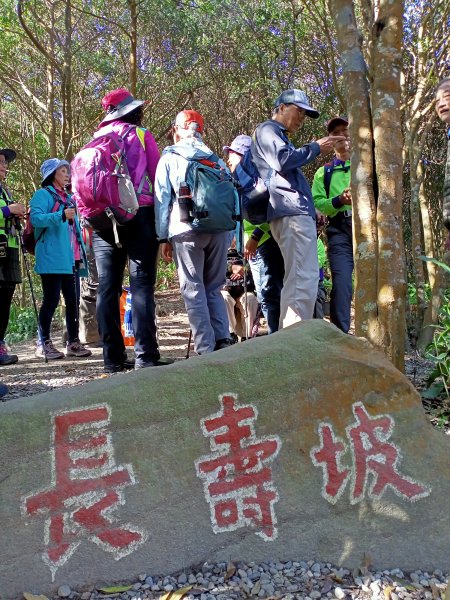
{"x":189,"y":344}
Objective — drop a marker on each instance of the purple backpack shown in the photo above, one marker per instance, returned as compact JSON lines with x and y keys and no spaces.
{"x":101,"y":183}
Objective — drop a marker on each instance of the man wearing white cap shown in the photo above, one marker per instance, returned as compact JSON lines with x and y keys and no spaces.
{"x":291,"y":212}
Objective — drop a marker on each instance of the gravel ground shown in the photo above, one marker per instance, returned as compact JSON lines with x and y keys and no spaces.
{"x":274,"y":581}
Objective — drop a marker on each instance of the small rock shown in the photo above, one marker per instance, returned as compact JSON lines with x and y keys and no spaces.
{"x":192,"y":578}
{"x":64,"y":591}
{"x":149,"y":581}
{"x":374,"y":588}
{"x":314,"y":594}
{"x":168,"y":587}
{"x":394,"y":596}
{"x":86,"y":596}
{"x":182,"y":579}
{"x":424,"y":583}
{"x":339,"y":593}
{"x":414,"y":577}
{"x":137,"y":586}
{"x":142,"y":577}
{"x":316,"y":568}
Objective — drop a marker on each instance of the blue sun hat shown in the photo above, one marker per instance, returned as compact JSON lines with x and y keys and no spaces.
{"x":51,"y":165}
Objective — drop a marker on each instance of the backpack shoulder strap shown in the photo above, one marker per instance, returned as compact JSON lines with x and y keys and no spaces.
{"x":56,"y":197}
{"x":328,"y":169}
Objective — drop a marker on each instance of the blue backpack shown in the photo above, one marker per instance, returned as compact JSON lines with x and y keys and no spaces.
{"x":254,"y":190}
{"x":215,"y":205}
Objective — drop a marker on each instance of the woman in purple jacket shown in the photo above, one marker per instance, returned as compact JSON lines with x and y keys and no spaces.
{"x":138,"y":244}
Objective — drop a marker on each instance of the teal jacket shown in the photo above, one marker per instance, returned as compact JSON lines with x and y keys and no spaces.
{"x":54,"y":252}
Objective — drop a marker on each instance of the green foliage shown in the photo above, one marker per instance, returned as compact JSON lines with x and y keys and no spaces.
{"x":22,"y":324}
{"x":412,"y":294}
{"x":167,"y":276}
{"x":439,"y":353}
{"x":439,"y":349}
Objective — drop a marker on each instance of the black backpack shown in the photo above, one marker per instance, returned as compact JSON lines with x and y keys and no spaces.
{"x":253,"y":189}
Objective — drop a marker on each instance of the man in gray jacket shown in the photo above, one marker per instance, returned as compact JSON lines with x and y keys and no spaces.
{"x":443,"y":111}
{"x":291,"y":213}
{"x":201,"y":258}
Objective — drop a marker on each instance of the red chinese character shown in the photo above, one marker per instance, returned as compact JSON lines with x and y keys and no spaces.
{"x":374,"y":455}
{"x":86,"y":486}
{"x":238,"y":482}
{"x":328,"y":456}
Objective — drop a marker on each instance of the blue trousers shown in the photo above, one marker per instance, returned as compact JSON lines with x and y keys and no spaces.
{"x":268,"y":272}
{"x":340,"y":256}
{"x":140,"y":248}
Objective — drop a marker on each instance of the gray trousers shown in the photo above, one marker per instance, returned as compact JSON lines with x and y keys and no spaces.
{"x":201,"y":260}
{"x":88,"y":300}
{"x":297,"y":239}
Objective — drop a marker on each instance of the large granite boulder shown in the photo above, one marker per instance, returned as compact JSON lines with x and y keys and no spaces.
{"x":305,"y":444}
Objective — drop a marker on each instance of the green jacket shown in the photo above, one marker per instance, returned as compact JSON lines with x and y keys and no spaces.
{"x":340,"y":180}
{"x":262,"y":232}
{"x":5,"y":224}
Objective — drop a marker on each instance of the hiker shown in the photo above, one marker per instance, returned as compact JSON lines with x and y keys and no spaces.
{"x":261,"y":250}
{"x":200,"y":257}
{"x":60,"y":257}
{"x":443,"y":112}
{"x":89,"y":334}
{"x":133,"y":241}
{"x":291,"y":212}
{"x":333,"y":198}
{"x":240,"y":301}
{"x":10,"y":276}
{"x":321,"y":299}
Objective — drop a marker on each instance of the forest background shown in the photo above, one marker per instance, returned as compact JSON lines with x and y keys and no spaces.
{"x":229,"y":59}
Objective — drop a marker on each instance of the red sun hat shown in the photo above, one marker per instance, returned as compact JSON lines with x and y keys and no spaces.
{"x":187,"y":117}
{"x":119,"y":103}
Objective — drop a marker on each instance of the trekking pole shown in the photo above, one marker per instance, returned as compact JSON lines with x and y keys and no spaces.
{"x":30,"y":281}
{"x":189,"y":344}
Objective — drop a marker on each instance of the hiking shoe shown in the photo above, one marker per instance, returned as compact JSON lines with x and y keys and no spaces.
{"x":221,"y":344}
{"x":161,"y":362}
{"x":51,"y":353}
{"x":5,"y":357}
{"x":234,"y":338}
{"x":3,"y":390}
{"x":77,"y":349}
{"x":125,"y":366}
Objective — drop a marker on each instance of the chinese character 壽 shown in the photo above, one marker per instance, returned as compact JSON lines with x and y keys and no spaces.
{"x":237,"y":478}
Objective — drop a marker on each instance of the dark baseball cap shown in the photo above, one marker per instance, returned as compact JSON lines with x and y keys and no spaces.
{"x":298,"y":98}
{"x":335,"y":121}
{"x":240,"y":144}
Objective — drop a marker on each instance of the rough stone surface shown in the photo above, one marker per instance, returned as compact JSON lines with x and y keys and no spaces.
{"x":296,"y":379}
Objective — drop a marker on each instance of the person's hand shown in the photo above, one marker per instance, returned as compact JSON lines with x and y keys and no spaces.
{"x":346,"y":197}
{"x":327,"y":143}
{"x":250,"y":249}
{"x":17,"y":209}
{"x":69,"y":213}
{"x":167,"y":252}
{"x":237,"y":272}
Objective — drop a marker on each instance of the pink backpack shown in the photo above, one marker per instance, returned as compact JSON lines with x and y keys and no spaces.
{"x":101,"y":183}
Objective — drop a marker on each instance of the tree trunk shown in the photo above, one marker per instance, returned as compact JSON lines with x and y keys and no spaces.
{"x":376,"y":174}
{"x":132,"y":4}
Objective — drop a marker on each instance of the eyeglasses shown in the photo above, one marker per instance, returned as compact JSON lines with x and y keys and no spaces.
{"x":4,"y":163}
